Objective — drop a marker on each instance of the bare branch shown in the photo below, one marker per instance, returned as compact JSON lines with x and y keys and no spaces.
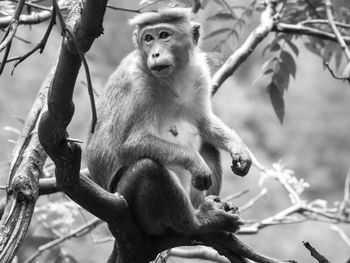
{"x":41,"y":45}
{"x":235,"y":195}
{"x":200,"y":252}
{"x":323,"y":22}
{"x":332,"y":72}
{"x":84,"y":229}
{"x":34,"y":18}
{"x":341,"y":234}
{"x":315,"y":254}
{"x":299,"y":29}
{"x":251,"y":202}
{"x":124,"y":9}
{"x":11,"y":31}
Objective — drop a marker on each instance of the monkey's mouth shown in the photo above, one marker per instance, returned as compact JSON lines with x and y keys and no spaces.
{"x":160,"y":68}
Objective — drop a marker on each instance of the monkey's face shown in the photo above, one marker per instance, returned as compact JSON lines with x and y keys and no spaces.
{"x":165,"y":49}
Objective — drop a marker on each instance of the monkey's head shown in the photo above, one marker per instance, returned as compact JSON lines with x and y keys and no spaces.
{"x":166,"y":39}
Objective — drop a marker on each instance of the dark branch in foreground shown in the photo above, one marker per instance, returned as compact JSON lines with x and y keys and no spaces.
{"x":315,"y":254}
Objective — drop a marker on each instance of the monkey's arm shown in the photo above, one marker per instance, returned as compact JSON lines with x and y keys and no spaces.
{"x":147,"y":145}
{"x":214,"y":131}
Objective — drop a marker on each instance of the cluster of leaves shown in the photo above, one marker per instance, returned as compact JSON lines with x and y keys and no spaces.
{"x":279,"y":68}
{"x":227,"y":22}
{"x":282,"y":65}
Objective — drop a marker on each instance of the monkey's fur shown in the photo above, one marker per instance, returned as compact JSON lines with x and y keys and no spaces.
{"x":156,"y":133}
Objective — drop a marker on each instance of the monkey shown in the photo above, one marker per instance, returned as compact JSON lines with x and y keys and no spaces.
{"x":157,"y":140}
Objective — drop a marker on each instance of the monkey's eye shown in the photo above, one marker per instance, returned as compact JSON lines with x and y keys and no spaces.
{"x":148,"y":38}
{"x":164,"y":35}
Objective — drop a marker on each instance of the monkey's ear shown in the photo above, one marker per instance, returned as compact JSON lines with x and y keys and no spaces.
{"x":135,"y":38}
{"x":195,"y":33}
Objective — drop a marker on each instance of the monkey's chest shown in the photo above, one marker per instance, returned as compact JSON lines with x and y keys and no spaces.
{"x":181,"y":132}
{"x":185,"y":134}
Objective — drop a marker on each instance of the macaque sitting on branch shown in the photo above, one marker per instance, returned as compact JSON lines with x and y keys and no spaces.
{"x":156,"y":140}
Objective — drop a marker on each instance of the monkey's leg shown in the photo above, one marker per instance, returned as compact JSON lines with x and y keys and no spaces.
{"x":159,"y":203}
{"x":211,"y":156}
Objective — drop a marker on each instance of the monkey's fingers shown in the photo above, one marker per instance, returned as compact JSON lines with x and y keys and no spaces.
{"x":240,"y":165}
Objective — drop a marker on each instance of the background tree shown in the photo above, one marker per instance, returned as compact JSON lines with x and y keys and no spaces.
{"x":289,"y":27}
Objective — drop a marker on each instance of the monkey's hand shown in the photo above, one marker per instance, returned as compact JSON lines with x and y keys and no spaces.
{"x":241,"y":161}
{"x":201,"y":176}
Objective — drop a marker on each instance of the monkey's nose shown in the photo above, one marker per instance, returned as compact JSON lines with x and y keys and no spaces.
{"x":155,"y":55}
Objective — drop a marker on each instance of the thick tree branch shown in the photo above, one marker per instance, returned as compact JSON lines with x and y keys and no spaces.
{"x":25,"y":169}
{"x":300,"y":29}
{"x":323,"y":22}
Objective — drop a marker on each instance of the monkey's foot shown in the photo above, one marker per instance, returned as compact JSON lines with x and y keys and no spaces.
{"x":216,"y":216}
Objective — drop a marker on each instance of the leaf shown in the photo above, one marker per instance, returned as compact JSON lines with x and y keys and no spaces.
{"x":277,"y":101}
{"x":219,"y":3}
{"x":293,"y":47}
{"x":288,"y":61}
{"x":313,"y":48}
{"x":268,"y":71}
{"x":328,"y":52}
{"x":221,"y":17}
{"x":275,"y":47}
{"x":268,"y":62}
{"x":266,"y":48}
{"x":218,"y":32}
{"x":204,"y":4}
{"x":338,"y":58}
{"x":284,"y":74}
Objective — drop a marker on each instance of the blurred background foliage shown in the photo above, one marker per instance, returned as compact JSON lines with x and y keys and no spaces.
{"x":314,"y":139}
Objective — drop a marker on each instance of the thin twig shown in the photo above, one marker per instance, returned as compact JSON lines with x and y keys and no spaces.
{"x":342,"y":234}
{"x":332,"y":71}
{"x":199,"y":252}
{"x":41,"y":45}
{"x":11,"y":31}
{"x":313,"y":9}
{"x":235,"y":195}
{"x":124,"y":9}
{"x":84,"y":229}
{"x":340,"y":39}
{"x":40,"y":7}
{"x":251,"y":202}
{"x":4,"y":58}
{"x":347,"y":187}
